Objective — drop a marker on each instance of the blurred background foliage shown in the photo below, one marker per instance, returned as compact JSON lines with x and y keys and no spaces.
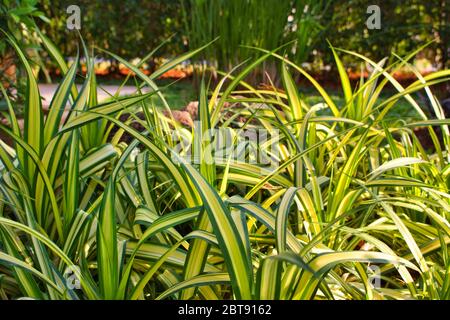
{"x":405,"y":25}
{"x":17,"y":17}
{"x":253,"y":23}
{"x":129,"y":28}
{"x":132,"y":29}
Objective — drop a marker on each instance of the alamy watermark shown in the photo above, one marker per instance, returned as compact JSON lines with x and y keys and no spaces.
{"x":73,"y":21}
{"x":374,"y":273}
{"x":373,"y":22}
{"x":256,"y":146}
{"x":71,"y":278}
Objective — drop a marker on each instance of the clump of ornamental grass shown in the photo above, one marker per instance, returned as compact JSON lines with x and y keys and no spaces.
{"x":349,"y":206}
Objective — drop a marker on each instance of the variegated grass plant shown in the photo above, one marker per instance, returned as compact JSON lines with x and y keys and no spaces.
{"x":356,"y":209}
